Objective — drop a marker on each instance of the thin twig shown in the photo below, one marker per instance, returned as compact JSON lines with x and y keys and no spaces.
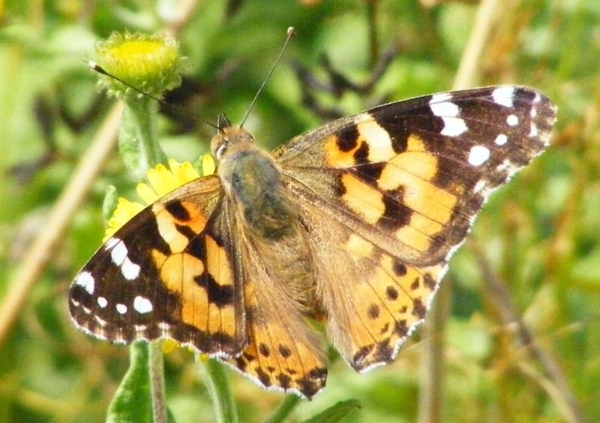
{"x":432,"y":374}
{"x":524,"y":338}
{"x":470,"y":64}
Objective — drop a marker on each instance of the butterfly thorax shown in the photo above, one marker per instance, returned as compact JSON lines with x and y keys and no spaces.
{"x":252,"y":180}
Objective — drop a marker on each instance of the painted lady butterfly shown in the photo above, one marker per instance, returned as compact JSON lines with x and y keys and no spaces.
{"x":352,"y":224}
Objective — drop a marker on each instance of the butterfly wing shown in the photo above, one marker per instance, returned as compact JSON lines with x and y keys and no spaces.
{"x":411,"y":176}
{"x":374,"y":300}
{"x":176,"y":270}
{"x":389,"y":194}
{"x":170,"y":272}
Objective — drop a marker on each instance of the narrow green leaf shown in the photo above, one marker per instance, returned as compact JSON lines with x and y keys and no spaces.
{"x":133,"y":399}
{"x":217,"y":384}
{"x":335,"y":413}
{"x":288,"y":405}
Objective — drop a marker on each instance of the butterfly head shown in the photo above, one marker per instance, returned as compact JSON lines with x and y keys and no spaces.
{"x":230,"y":139}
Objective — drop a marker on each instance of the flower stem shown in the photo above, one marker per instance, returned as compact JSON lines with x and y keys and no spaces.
{"x":157,"y":381}
{"x":139,"y":147}
{"x":138,"y":143}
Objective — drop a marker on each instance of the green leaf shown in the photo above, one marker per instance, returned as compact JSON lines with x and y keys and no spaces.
{"x":335,"y":413}
{"x":285,"y":408}
{"x":217,"y":384}
{"x":133,"y":401}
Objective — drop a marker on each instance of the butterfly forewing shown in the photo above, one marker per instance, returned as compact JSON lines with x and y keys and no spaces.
{"x":411,"y":176}
{"x":170,"y":272}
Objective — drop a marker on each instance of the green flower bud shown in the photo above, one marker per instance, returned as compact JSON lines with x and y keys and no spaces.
{"x":149,"y":63}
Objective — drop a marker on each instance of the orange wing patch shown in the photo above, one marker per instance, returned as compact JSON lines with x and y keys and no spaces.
{"x":199,"y":270}
{"x":341,"y":149}
{"x":397,"y":192}
{"x":363,"y":200}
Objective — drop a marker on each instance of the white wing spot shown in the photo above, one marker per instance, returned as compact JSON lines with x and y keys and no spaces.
{"x":501,"y":139}
{"x":454,"y":127}
{"x":102,"y":302}
{"x":445,"y":109}
{"x":504,"y":96}
{"x":533,"y":130}
{"x":533,"y":113}
{"x":121,"y":308}
{"x":440,"y":97}
{"x":86,"y":280}
{"x":129,"y":269}
{"x":478,"y":155}
{"x":142,"y":305}
{"x":118,"y":253}
{"x":512,"y":120}
{"x":479,"y":186}
{"x":100,"y":321}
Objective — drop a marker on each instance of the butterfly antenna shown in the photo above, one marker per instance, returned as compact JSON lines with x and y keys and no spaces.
{"x":97,"y":68}
{"x":291,"y":33}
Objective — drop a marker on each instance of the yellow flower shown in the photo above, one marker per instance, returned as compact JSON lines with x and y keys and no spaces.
{"x":161,"y":181}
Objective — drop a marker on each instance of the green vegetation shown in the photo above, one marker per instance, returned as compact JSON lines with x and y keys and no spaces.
{"x":521,"y":335}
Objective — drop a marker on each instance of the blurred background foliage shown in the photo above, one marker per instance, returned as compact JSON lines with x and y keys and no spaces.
{"x":534,"y":253}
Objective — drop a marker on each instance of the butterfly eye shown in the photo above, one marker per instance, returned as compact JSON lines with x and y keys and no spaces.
{"x":221,"y":149}
{"x":219,"y":145}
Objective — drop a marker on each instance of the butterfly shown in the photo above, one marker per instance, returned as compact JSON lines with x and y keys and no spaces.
{"x":350,"y":226}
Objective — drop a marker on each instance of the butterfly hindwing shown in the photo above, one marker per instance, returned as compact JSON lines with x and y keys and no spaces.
{"x":283,"y":352}
{"x":279,"y":292}
{"x":382,"y":298}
